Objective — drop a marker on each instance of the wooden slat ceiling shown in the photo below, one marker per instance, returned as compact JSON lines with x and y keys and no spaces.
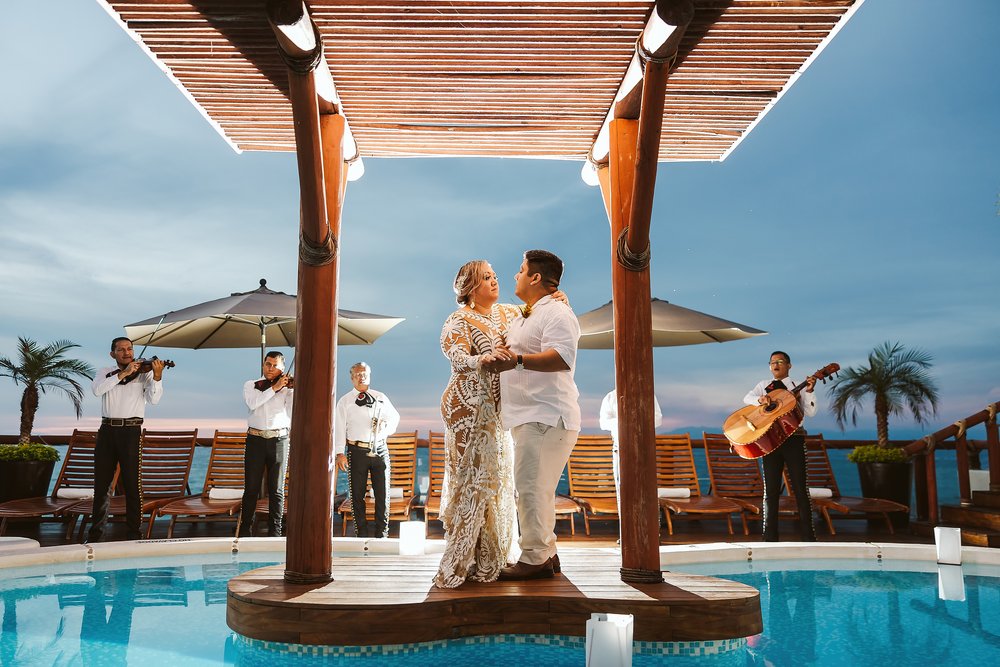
{"x":485,"y":77}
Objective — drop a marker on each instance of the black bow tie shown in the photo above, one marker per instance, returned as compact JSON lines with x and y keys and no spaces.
{"x":776,"y":384}
{"x":364,"y":399}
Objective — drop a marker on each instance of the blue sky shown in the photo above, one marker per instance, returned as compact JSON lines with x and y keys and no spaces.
{"x":862,"y":209}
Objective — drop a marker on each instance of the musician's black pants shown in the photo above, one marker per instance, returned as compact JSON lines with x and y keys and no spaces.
{"x":793,"y":455}
{"x":264,"y":456}
{"x":359,"y":467}
{"x":116,"y":446}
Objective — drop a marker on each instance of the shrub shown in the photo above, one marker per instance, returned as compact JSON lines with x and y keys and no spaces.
{"x":876,"y":454}
{"x":30,"y":452}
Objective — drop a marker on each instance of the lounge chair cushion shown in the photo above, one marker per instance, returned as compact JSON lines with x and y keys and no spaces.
{"x":74,"y":493}
{"x":224,"y":493}
{"x":673,"y":492}
{"x":395,"y":492}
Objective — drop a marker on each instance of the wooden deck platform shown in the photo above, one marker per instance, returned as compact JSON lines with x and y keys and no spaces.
{"x":391,"y":600}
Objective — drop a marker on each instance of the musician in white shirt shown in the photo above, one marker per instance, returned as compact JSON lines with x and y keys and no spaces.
{"x":124,"y":392}
{"x":791,"y":453}
{"x":608,"y":421}
{"x":269,"y":400}
{"x":363,"y":420}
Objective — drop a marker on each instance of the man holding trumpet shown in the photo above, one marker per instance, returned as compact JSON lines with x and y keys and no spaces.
{"x":364,"y":419}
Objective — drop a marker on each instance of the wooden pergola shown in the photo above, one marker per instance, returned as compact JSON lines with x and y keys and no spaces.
{"x":618,"y":85}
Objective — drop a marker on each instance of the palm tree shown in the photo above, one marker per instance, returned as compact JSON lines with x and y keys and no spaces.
{"x":43,"y":368}
{"x":896,"y":378}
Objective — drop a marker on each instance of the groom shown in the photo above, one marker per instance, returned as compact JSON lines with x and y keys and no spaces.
{"x":539,"y":407}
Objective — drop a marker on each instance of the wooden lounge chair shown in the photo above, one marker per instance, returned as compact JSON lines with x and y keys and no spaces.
{"x":566,"y":508}
{"x":402,"y":475}
{"x":262,"y":509}
{"x":675,"y":469}
{"x":225,"y":471}
{"x":819,"y":473}
{"x":164,"y":467}
{"x":435,"y":476}
{"x":75,"y":477}
{"x":592,"y":480}
{"x":739,"y":480}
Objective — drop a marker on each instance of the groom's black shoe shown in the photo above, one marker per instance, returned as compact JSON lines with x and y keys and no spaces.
{"x":521,"y":571}
{"x":554,"y":561}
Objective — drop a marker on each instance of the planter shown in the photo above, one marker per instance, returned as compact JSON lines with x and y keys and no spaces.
{"x":890,"y":481}
{"x":24,"y":479}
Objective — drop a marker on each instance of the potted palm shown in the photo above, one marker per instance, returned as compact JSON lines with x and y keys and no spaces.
{"x":26,"y":468}
{"x":896,"y":380}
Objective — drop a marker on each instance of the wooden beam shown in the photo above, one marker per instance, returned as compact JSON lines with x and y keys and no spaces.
{"x":658,"y":42}
{"x":639,"y":510}
{"x":300,"y":42}
{"x":647,"y":151}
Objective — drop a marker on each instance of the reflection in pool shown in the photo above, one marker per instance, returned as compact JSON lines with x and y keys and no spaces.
{"x":172,"y":610}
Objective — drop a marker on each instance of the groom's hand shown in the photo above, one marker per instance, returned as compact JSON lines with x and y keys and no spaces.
{"x":502,"y":360}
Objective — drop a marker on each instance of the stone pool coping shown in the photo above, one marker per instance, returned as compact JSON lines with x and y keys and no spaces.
{"x":22,"y":553}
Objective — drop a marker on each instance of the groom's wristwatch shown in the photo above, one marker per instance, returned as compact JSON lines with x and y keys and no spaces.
{"x":519,"y":366}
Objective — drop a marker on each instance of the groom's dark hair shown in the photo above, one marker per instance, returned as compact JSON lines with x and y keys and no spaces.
{"x":547,"y":265}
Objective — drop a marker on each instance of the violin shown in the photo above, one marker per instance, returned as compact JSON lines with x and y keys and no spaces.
{"x":264,"y":384}
{"x":145,"y":366}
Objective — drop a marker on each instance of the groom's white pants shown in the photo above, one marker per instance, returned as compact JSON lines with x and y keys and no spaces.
{"x":540,"y":454}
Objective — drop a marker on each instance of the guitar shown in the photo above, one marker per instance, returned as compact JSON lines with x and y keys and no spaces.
{"x":757,"y":430}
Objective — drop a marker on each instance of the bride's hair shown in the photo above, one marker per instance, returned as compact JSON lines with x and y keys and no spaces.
{"x":469,"y":277}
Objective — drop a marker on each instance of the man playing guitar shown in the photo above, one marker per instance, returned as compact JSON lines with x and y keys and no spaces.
{"x":791,"y":453}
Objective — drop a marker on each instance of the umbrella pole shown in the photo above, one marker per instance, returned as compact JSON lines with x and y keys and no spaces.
{"x":263,"y":341}
{"x":150,"y":339}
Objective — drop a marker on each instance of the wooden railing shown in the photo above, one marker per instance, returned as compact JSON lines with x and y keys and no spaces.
{"x":922,"y":453}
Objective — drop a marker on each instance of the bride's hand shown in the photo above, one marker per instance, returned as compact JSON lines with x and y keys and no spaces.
{"x":559,"y":295}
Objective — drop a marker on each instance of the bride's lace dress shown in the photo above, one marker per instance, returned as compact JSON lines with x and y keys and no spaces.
{"x":478,"y":509}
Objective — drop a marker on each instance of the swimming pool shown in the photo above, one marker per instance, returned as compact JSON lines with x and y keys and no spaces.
{"x":823,"y":612}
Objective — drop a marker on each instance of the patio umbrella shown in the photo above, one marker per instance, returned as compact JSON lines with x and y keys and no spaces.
{"x":261,"y":317}
{"x":672,"y":325}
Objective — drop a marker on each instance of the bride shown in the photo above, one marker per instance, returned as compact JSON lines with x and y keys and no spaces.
{"x":478,"y":508}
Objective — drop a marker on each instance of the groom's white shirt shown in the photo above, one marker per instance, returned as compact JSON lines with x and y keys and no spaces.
{"x":544,"y":397}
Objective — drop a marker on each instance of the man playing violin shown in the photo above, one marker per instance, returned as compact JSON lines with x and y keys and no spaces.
{"x":124,"y":390}
{"x":792,"y":453}
{"x":269,"y":400}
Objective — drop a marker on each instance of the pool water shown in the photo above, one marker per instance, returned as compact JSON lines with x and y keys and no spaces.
{"x":888,"y":614}
{"x":172,"y":611}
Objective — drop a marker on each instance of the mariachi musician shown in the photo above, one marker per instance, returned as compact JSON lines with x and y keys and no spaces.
{"x":792,"y":453}
{"x":363,"y":420}
{"x":269,"y":400}
{"x":124,"y":390}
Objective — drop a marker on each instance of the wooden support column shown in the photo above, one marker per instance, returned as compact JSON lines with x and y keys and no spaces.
{"x":962,"y":461}
{"x":639,"y":511}
{"x":920,"y":485}
{"x":319,"y":155}
{"x":930,"y":470}
{"x":627,"y":183}
{"x":993,"y":447}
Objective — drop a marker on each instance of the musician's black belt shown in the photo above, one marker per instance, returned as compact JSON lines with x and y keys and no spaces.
{"x":115,"y":421}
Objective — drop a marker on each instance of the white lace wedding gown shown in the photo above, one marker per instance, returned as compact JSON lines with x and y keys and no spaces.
{"x":478,"y":509}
